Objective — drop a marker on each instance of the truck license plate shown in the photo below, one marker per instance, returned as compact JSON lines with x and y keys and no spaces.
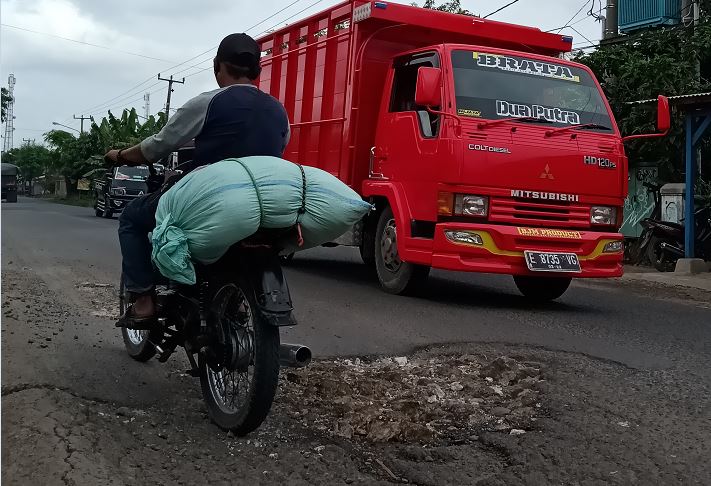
{"x":539,"y":261}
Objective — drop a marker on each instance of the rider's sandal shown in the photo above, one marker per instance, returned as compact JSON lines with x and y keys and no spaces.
{"x":129,"y":321}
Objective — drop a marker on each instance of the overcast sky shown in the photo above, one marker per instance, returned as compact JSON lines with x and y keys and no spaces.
{"x":57,"y":79}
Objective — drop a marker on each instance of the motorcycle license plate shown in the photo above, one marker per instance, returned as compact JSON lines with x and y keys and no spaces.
{"x":540,"y":261}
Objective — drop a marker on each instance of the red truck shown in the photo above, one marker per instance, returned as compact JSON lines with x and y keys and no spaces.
{"x":480,"y":146}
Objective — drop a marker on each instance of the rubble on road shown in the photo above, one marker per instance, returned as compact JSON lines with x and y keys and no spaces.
{"x":429,"y":400}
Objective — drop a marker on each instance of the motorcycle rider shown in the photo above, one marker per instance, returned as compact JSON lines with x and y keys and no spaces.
{"x":235,"y":120}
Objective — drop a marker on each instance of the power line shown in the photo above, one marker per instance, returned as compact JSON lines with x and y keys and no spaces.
{"x":571,"y":18}
{"x":261,"y":33}
{"x":84,"y":43}
{"x":133,"y":91}
{"x":500,"y":9}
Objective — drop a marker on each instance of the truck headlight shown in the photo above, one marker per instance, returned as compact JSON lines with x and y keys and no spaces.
{"x":613,"y":247}
{"x":471,"y":205}
{"x":603,"y":215}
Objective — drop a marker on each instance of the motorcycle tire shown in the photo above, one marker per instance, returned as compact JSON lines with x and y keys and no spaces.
{"x":259,"y":391}
{"x":138,"y":343}
{"x":660,"y":258}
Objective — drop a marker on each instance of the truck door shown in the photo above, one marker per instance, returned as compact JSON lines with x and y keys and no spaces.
{"x":408,"y":137}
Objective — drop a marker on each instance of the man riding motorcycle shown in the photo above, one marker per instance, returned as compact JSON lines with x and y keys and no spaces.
{"x":236,"y":120}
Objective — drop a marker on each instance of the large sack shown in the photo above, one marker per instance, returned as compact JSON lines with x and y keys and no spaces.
{"x":216,"y":206}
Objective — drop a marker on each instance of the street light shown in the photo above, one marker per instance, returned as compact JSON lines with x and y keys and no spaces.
{"x":59,"y":124}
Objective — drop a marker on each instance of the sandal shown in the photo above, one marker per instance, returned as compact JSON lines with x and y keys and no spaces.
{"x":129,"y":321}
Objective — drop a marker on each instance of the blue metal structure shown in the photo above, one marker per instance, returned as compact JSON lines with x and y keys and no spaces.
{"x":698,"y":120}
{"x":638,"y":14}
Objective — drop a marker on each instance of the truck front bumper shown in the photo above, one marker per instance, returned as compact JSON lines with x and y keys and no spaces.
{"x":500,"y":249}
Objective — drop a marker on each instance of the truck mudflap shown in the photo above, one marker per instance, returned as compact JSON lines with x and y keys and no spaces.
{"x":500,"y":249}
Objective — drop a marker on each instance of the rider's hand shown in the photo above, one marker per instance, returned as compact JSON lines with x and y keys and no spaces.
{"x":112,"y":155}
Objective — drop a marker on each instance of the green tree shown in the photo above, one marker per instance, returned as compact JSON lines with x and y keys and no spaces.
{"x":4,"y":101}
{"x":659,"y":61}
{"x":32,"y":159}
{"x":453,"y":6}
{"x":75,"y":156}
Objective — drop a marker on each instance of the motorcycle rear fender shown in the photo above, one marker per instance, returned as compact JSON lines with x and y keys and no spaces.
{"x":271,"y":292}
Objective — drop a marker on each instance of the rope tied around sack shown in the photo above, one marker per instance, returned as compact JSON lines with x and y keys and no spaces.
{"x":302,"y":209}
{"x":256,"y":190}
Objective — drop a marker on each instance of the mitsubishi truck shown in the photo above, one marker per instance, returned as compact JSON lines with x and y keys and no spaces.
{"x":480,"y":146}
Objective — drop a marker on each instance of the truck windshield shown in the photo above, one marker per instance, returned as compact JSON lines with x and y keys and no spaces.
{"x":492,"y":86}
{"x":125,"y":173}
{"x":130,"y":178}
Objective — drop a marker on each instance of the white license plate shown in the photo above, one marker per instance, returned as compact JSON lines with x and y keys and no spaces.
{"x":543,"y":261}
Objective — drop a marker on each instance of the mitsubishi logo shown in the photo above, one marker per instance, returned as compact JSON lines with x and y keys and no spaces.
{"x":546,"y":174}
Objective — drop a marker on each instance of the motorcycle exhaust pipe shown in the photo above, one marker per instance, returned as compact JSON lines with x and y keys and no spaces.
{"x":672,"y":249}
{"x":294,"y":355}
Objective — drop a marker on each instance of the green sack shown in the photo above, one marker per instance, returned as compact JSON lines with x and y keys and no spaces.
{"x":218,"y":205}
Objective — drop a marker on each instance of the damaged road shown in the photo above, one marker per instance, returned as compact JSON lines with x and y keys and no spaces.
{"x":465,"y":385}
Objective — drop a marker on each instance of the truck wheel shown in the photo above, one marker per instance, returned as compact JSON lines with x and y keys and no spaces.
{"x":367,"y":247}
{"x":396,"y":276}
{"x":107,"y":213}
{"x":542,"y":289}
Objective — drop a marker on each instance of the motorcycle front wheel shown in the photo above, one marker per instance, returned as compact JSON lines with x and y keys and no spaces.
{"x":660,"y":258}
{"x":138,"y":343}
{"x":240,"y":382}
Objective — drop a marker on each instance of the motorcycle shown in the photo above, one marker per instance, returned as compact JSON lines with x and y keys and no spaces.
{"x":665,"y":241}
{"x":230,"y":320}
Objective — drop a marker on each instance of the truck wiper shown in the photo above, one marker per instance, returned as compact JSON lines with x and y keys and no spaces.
{"x":524,"y":119}
{"x":589,"y":126}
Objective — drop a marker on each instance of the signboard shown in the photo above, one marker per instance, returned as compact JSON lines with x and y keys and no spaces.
{"x":83,"y":185}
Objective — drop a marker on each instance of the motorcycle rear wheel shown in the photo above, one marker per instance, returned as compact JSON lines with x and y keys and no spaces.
{"x":240,"y":388}
{"x":659,"y":257}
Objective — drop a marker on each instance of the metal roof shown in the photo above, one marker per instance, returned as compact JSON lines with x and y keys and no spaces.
{"x":687,"y":99}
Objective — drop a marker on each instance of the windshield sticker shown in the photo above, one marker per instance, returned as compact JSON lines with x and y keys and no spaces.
{"x":520,"y":110}
{"x":471,"y":113}
{"x":525,"y":66}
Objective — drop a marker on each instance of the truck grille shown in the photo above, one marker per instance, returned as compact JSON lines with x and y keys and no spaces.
{"x":525,"y":212}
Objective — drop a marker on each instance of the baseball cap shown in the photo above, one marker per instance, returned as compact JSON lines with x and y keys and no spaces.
{"x":239,"y":49}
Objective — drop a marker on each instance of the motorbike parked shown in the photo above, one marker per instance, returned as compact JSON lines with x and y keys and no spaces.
{"x":230,"y":320}
{"x":665,"y":241}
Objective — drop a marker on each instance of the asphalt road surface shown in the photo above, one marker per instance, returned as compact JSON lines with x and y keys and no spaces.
{"x":627,"y":372}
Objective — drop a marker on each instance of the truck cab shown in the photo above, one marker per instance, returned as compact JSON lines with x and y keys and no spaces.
{"x":117,"y":188}
{"x":9,"y":182}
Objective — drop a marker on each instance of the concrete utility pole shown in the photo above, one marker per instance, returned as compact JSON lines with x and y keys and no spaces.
{"x":28,"y":140}
{"x":170,"y":90}
{"x":82,"y":118}
{"x":10,"y":121}
{"x":147,"y":106}
{"x":611,"y":21}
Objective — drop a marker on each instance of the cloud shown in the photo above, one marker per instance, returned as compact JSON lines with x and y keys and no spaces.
{"x":56,"y":78}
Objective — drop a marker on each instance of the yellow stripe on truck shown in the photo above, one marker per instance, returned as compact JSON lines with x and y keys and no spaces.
{"x":491,"y":247}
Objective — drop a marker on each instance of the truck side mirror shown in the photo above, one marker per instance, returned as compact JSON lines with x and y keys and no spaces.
{"x":663,"y":121}
{"x":663,"y":114}
{"x":428,"y":89}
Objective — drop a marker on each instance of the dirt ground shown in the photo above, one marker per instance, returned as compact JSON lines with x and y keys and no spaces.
{"x":484,"y":413}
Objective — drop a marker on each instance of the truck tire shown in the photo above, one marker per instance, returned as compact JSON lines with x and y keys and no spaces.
{"x":542,"y":289}
{"x":11,"y":197}
{"x":395,"y":276}
{"x":107,"y":213}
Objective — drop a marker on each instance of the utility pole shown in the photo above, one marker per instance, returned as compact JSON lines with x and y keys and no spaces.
{"x":27,"y":141}
{"x":147,"y":106}
{"x":170,"y":90}
{"x":611,"y":21}
{"x":10,"y":121}
{"x":82,"y":118}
